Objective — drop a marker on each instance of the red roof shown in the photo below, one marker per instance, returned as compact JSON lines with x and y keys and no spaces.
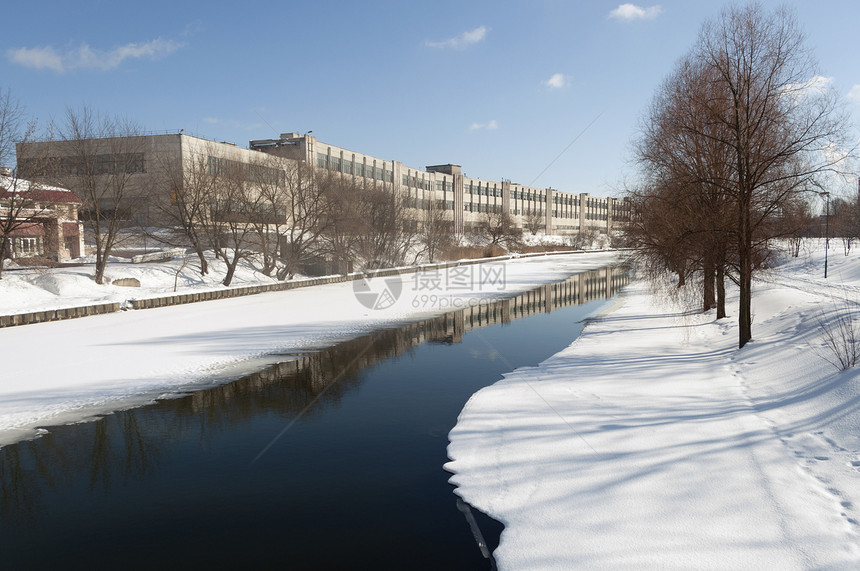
{"x":28,"y":230}
{"x":37,"y":192}
{"x":71,"y":229}
{"x":42,"y":195}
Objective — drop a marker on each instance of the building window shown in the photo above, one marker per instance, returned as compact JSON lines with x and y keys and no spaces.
{"x":29,"y":246}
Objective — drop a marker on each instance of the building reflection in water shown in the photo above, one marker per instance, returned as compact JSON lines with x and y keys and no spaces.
{"x":113,"y":449}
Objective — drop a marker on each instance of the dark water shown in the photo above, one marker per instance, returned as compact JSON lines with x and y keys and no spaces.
{"x":329,"y":461}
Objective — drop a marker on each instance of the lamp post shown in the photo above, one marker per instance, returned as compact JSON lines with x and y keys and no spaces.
{"x":826,"y":196}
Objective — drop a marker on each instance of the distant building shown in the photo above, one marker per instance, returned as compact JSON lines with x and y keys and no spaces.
{"x":464,"y":199}
{"x":155,"y":166}
{"x":40,"y":220}
{"x":445,"y":186}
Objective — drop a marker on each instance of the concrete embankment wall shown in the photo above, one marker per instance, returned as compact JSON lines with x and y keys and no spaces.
{"x":193,"y":297}
{"x":57,"y":314}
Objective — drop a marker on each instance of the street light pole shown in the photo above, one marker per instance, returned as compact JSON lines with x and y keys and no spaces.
{"x":826,"y":196}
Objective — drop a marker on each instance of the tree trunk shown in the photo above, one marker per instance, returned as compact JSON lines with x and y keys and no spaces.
{"x":721,"y":291}
{"x":198,"y":249}
{"x":101,"y":263}
{"x":231,"y":268}
{"x":4,"y":248}
{"x":745,"y":277}
{"x":708,"y":299}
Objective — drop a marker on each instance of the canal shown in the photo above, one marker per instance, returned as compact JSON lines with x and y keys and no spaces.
{"x":328,"y":460}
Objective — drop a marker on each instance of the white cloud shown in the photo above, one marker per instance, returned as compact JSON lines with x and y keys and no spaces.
{"x":557,"y":81}
{"x":819,"y":85}
{"x":491,"y":126}
{"x":854,"y":93}
{"x":38,"y":58}
{"x":633,"y":12}
{"x":211,"y":120}
{"x":85,"y":57}
{"x":462,"y":41}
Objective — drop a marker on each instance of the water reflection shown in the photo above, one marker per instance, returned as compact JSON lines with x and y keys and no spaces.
{"x":101,"y":460}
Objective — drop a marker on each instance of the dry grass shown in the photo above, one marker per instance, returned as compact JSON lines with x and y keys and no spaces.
{"x":539,"y":248}
{"x":472,"y":252}
{"x":841,"y":336}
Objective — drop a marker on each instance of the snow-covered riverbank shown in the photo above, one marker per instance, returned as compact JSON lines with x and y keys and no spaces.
{"x":653,"y":442}
{"x":70,"y":370}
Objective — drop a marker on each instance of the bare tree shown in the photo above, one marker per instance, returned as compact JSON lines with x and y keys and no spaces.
{"x":741,"y":126}
{"x":498,"y":228}
{"x":13,"y":126}
{"x":269,"y":197}
{"x":845,"y":221}
{"x":341,"y":220}
{"x":186,"y":208}
{"x":97,"y":157}
{"x":774,"y":122}
{"x":17,"y":207}
{"x":233,"y":211}
{"x":535,"y":221}
{"x":436,"y":232}
{"x":306,"y":221}
{"x":797,"y":223}
{"x":369,"y":222}
{"x":386,"y":228}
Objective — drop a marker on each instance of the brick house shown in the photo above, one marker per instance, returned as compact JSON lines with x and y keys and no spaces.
{"x":39,"y":220}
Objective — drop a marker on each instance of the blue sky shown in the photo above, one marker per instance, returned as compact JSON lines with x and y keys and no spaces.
{"x":501,"y":88}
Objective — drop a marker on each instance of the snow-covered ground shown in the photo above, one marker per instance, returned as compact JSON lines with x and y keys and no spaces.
{"x":653,"y":442}
{"x":25,"y":289}
{"x":70,"y":370}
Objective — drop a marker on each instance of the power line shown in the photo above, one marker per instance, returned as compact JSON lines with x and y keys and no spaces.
{"x":568,"y":146}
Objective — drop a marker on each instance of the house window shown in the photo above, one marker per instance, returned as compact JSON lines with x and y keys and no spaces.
{"x":29,"y":246}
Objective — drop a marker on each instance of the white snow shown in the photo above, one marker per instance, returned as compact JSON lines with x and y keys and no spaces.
{"x":70,"y":370}
{"x":38,"y":289}
{"x":653,"y":442}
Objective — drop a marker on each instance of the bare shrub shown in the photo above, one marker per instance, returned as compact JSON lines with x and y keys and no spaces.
{"x":470,"y":252}
{"x":841,"y":335}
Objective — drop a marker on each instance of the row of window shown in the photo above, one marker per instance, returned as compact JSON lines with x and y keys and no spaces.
{"x":470,"y":207}
{"x":258,"y":174}
{"x":112,"y":163}
{"x":596,"y":203}
{"x":425,"y":204}
{"x":336,"y":164}
{"x":354,"y":168}
{"x":420,"y":203}
{"x":568,"y":200}
{"x":229,"y":211}
{"x":415,"y":182}
{"x":527,"y":195}
{"x":28,"y":246}
{"x":482,"y":190}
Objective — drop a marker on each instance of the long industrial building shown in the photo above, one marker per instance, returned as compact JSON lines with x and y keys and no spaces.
{"x":445,"y":186}
{"x":551,"y":211}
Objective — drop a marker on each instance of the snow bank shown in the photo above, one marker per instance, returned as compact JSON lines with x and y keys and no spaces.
{"x":38,"y":289}
{"x":653,"y":442}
